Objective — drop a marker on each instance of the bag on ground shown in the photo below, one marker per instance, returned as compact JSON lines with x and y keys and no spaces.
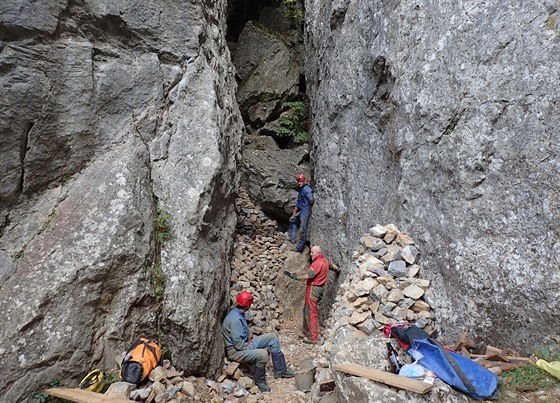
{"x":143,"y":356}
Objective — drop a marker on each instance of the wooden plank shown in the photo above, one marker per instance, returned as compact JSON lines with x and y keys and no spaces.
{"x":509,"y":358}
{"x":401,"y":382}
{"x":505,"y":366}
{"x":496,"y":357}
{"x":83,"y":396}
{"x":490,"y":350}
{"x":464,"y":341}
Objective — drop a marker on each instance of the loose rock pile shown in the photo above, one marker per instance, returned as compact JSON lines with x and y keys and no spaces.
{"x":166,"y":384}
{"x":384,"y":287}
{"x":257,"y":261}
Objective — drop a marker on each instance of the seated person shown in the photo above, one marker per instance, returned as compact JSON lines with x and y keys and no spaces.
{"x":242,"y":348}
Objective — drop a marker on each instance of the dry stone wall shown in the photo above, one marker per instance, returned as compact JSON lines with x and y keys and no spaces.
{"x":383,"y":284}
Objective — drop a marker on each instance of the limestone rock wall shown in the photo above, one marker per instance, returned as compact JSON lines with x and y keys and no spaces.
{"x":108,"y":110}
{"x":443,"y":119}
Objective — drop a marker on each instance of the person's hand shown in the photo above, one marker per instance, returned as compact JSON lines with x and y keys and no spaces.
{"x":335,"y":268}
{"x":290,"y":275}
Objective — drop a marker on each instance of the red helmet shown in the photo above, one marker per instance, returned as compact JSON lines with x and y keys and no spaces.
{"x":244,"y":299}
{"x":300,"y":178}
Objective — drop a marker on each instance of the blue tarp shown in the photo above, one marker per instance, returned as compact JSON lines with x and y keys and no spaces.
{"x":483,"y":381}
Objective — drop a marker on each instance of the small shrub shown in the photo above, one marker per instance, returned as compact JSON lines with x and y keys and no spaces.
{"x":158,"y":281}
{"x":51,"y":217}
{"x":43,"y":397}
{"x":293,"y":9}
{"x":293,"y":122}
{"x":162,"y":225}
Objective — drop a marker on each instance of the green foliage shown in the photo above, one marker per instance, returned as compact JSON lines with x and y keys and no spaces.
{"x":546,"y":353}
{"x":48,"y":221}
{"x":158,"y":281}
{"x":162,"y":225}
{"x":294,"y":9}
{"x":293,"y":122}
{"x":112,"y":376}
{"x":43,"y":397}
{"x":163,"y":232}
{"x":526,"y":379}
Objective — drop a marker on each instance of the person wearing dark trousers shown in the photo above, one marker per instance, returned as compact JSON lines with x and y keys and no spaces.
{"x":301,"y":214}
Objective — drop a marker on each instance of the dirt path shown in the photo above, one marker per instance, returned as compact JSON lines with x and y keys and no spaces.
{"x":284,"y":390}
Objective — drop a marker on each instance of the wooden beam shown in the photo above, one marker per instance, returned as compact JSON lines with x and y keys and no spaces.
{"x":505,"y":366}
{"x":491,"y":350}
{"x":464,"y":341}
{"x":83,"y":396}
{"x":401,"y":382}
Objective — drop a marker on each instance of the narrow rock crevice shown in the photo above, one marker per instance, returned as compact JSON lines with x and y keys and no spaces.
{"x":23,"y":149}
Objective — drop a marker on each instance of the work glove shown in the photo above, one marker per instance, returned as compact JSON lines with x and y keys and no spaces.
{"x":290,"y":275}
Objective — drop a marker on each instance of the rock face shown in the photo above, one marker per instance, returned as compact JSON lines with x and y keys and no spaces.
{"x":444,"y":120}
{"x":112,"y":112}
{"x":269,"y":175}
{"x":268,"y":70}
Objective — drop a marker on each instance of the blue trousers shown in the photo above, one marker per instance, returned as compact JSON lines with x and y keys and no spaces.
{"x":258,"y":354}
{"x":300,"y":220}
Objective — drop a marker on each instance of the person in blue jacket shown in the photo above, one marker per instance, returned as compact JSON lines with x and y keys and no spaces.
{"x":243,"y":348}
{"x":301,"y":214}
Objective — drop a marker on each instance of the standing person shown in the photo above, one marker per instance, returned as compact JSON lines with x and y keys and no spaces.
{"x":243,"y":348}
{"x":316,"y":277}
{"x":301,"y":214}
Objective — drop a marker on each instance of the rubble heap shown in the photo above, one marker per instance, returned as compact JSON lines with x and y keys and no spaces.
{"x":383,"y":285}
{"x":258,"y":259}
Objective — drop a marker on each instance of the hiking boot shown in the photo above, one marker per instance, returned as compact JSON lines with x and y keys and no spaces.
{"x":259,"y":373}
{"x":284,"y":374}
{"x":296,"y":249}
{"x":318,"y":342}
{"x":280,"y":368}
{"x":263,"y":387}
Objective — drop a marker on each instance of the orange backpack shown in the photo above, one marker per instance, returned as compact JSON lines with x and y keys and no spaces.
{"x":143,"y":356}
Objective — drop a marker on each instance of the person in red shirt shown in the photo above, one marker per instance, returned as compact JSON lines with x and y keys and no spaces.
{"x":316,"y":277}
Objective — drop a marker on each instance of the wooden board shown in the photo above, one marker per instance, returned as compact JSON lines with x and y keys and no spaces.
{"x":505,"y":366}
{"x":401,"y":382}
{"x":83,"y":396}
{"x":508,"y":358}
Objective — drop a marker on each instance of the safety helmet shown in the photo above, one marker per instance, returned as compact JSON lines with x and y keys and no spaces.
{"x":95,"y":382}
{"x":300,"y":178}
{"x":244,"y":299}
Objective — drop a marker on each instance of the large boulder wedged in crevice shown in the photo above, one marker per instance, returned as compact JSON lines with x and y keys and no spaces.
{"x":268,"y":68}
{"x":269,"y":175}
